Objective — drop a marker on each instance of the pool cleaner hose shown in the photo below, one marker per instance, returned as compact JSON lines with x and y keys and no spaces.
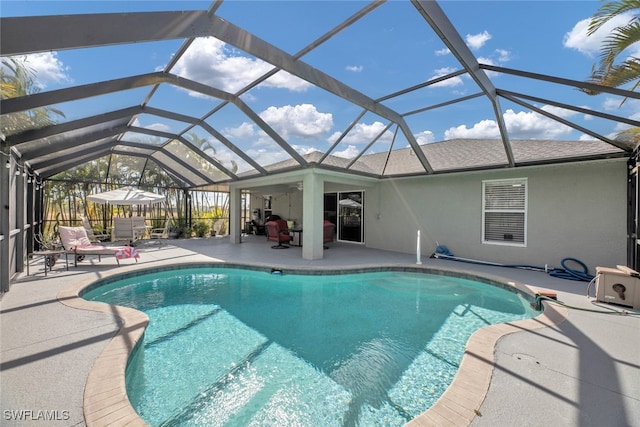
{"x":581,"y":274}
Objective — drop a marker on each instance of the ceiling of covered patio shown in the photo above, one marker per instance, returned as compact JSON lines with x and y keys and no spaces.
{"x":299,"y":101}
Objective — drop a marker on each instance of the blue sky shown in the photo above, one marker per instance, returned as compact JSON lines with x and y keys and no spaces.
{"x":390,"y":49}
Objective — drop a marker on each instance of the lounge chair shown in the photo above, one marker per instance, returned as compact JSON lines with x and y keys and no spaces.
{"x":75,"y":241}
{"x":277,"y":232}
{"x":93,"y":238}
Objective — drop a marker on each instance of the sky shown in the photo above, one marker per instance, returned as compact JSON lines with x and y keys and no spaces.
{"x":390,"y":49}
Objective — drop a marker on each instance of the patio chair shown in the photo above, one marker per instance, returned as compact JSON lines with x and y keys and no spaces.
{"x":75,"y":240}
{"x":219,"y":228}
{"x":138,"y":223}
{"x":123,"y":230}
{"x":277,"y":233}
{"x":328,"y":231}
{"x":93,"y":238}
{"x":161,"y":233}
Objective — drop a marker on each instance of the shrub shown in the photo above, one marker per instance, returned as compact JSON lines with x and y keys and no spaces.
{"x":201,"y":228}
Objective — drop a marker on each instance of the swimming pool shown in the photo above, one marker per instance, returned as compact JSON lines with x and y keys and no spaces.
{"x":243,"y":347}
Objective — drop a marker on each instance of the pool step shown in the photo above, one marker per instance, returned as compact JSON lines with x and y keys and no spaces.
{"x":274,"y":388}
{"x":184,"y":413}
{"x":179,"y":363}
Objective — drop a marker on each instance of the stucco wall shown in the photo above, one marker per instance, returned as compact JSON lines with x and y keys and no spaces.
{"x":574,"y":210}
{"x":287,"y":204}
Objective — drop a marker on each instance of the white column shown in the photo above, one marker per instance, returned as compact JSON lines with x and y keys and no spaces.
{"x":235,"y":213}
{"x":313,"y":215}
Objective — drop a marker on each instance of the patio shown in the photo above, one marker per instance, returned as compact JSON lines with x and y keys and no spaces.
{"x":583,"y":371}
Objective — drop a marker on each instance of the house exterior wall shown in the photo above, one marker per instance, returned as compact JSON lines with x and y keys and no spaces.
{"x":575,"y":210}
{"x":287,"y":204}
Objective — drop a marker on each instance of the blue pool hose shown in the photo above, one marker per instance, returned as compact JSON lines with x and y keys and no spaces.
{"x":563,"y":273}
{"x":442,"y":252}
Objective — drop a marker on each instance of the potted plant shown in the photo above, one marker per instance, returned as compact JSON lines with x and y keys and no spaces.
{"x":201,"y":228}
{"x":174,"y":231}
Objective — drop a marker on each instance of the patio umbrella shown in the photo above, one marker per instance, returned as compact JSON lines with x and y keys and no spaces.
{"x":126,"y":196}
{"x":350,"y":203}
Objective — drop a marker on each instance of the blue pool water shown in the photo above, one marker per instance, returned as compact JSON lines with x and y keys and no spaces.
{"x":236,"y":347}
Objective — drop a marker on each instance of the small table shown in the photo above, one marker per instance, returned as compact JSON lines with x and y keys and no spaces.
{"x":49,"y":260}
{"x":296,"y":233}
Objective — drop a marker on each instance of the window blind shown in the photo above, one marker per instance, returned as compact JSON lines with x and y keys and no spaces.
{"x":504,"y":211}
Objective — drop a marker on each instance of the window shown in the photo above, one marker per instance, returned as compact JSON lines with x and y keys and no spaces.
{"x":504,"y":212}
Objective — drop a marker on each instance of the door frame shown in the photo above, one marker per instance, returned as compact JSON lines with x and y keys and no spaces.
{"x":335,"y":215}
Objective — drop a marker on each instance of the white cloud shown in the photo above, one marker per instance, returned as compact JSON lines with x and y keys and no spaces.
{"x":425,"y":137}
{"x":482,"y":129}
{"x":611,"y":104}
{"x":620,"y":127}
{"x":500,"y":56}
{"x":158,"y":126}
{"x":520,"y":125}
{"x":589,"y":45}
{"x":303,"y":121}
{"x":443,"y":52}
{"x":47,"y":68}
{"x":363,"y":133}
{"x":355,"y":68}
{"x":503,"y":55}
{"x":484,"y":60}
{"x":559,"y":111}
{"x":211,"y":62}
{"x":348,"y":153}
{"x":527,"y":125}
{"x":266,"y":156}
{"x":245,"y":130}
{"x":635,"y":116}
{"x":476,"y":41}
{"x":451,"y":82}
{"x":585,"y":137}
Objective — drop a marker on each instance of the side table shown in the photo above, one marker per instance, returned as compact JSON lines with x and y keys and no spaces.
{"x":49,"y":258}
{"x":296,"y":233}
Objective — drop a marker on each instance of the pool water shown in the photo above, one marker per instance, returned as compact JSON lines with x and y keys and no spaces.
{"x":236,"y":347}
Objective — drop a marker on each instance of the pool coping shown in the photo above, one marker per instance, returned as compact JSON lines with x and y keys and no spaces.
{"x":105,"y":397}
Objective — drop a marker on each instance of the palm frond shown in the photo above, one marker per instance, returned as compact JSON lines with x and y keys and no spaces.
{"x":608,"y":11}
{"x":619,"y":40}
{"x":618,"y":75}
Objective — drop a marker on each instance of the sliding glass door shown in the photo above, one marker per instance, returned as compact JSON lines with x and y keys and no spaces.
{"x":350,"y":210}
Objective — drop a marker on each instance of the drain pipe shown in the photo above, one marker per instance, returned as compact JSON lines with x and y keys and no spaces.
{"x":418,"y":257}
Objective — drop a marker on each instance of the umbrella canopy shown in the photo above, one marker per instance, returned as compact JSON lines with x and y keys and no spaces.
{"x":126,"y":196}
{"x":349,"y":203}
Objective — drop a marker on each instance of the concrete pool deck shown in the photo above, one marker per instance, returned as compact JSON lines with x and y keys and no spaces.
{"x":581,"y":368}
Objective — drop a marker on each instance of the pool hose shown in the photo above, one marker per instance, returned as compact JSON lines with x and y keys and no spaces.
{"x":442,"y":252}
{"x":563,"y":273}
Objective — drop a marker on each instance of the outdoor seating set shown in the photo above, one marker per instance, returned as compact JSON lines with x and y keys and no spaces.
{"x":129,"y":229}
{"x":83,"y":241}
{"x":277,"y":230}
{"x":76,"y":241}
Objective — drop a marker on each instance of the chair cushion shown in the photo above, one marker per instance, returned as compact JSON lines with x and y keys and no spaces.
{"x":282,"y":225}
{"x":72,"y":237}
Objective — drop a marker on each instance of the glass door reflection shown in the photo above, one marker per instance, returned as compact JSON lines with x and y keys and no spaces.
{"x":350,"y":210}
